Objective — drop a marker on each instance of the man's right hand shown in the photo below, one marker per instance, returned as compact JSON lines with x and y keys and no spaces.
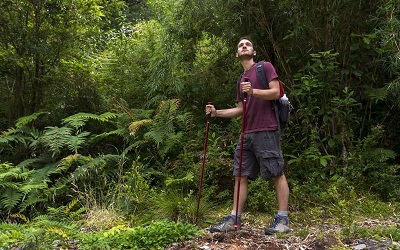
{"x":210,"y":109}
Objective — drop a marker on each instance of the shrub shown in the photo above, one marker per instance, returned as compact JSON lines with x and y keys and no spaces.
{"x":154,"y":236}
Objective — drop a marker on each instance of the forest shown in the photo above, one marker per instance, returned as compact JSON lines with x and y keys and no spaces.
{"x":102,"y":119}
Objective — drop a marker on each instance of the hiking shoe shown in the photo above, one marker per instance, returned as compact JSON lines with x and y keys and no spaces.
{"x":226,"y":224}
{"x":280,"y":225}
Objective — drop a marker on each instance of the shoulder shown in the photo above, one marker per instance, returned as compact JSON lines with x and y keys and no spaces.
{"x":267,"y":65}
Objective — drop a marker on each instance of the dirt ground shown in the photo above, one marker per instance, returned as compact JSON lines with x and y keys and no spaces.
{"x":320,"y":238}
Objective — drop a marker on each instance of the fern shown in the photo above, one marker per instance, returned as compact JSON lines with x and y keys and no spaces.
{"x":76,"y":213}
{"x":7,"y":174}
{"x":70,"y":205}
{"x":56,"y":138}
{"x":67,"y":162}
{"x":80,"y":119}
{"x":10,"y":198}
{"x":42,"y":174}
{"x":377,"y":94}
{"x":47,"y":167}
{"x":20,"y":216}
{"x":136,"y":125}
{"x":24,"y":121}
{"x":29,"y":163}
{"x":32,"y":200}
{"x":75,"y":142}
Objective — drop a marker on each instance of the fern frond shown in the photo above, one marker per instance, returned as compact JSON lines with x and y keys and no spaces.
{"x":49,"y":221}
{"x":27,"y":188}
{"x":5,"y":166}
{"x":11,"y":174}
{"x":57,"y":231}
{"x":70,"y":160}
{"x":9,"y":136}
{"x":94,"y":163}
{"x":23,"y":121}
{"x":9,"y":131}
{"x":10,"y":198}
{"x":167,"y":111}
{"x":21,"y":135}
{"x":108,"y":116}
{"x":59,"y":185}
{"x":70,"y":205}
{"x":42,"y":217}
{"x":28,"y":163}
{"x":21,"y":216}
{"x":31,"y":200}
{"x":10,"y":227}
{"x":83,"y":170}
{"x":80,"y":119}
{"x":80,"y":211}
{"x":56,"y":138}
{"x":4,"y":185}
{"x":11,"y":235}
{"x":135,"y":126}
{"x":171,"y":142}
{"x":122,"y":132}
{"x":156,"y":136}
{"x":124,"y":108}
{"x":128,"y":149}
{"x":41,"y":175}
{"x":377,"y":94}
{"x":75,"y":142}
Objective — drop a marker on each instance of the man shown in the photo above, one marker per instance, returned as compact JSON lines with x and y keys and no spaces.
{"x":261,"y":146}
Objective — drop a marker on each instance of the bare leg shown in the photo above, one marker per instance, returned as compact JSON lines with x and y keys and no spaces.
{"x":282,"y":192}
{"x":243,"y":193}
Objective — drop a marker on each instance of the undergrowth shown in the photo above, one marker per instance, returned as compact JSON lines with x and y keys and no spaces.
{"x":43,"y":234}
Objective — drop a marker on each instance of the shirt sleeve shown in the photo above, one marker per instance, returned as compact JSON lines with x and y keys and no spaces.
{"x":270,"y":72}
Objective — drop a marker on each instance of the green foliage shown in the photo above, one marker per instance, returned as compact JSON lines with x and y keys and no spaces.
{"x":176,"y":205}
{"x":42,"y":231}
{"x":262,"y":197}
{"x":48,"y":162}
{"x":59,"y":229}
{"x":43,"y":54}
{"x":81,"y":59}
{"x":388,"y":37}
{"x":323,"y":120}
{"x":378,"y":233}
{"x":155,"y":236}
{"x":371,"y":168}
{"x":163,"y":134}
{"x":132,"y":193}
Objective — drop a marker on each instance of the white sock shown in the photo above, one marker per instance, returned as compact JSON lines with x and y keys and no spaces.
{"x":233,"y":213}
{"x":283,"y":213}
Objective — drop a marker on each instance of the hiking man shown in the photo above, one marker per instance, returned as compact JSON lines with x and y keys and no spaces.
{"x":261,"y":152}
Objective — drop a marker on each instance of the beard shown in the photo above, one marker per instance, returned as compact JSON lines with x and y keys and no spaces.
{"x":246,"y":56}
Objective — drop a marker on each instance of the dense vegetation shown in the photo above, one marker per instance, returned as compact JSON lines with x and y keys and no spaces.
{"x":102,"y":114}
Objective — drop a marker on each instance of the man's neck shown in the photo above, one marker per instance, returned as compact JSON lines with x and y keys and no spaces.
{"x":247,"y":64}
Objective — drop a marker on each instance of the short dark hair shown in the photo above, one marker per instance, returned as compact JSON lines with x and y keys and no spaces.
{"x":247,"y":38}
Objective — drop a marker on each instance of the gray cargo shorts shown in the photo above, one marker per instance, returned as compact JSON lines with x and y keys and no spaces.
{"x":262,"y":153}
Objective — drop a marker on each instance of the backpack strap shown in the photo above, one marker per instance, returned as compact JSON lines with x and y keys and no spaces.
{"x":261,"y":75}
{"x":263,"y":79}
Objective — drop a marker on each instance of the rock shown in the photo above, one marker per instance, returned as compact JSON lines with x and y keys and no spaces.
{"x":361,"y":246}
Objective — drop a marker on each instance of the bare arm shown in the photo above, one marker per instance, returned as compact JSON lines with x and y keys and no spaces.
{"x":273,"y":93}
{"x":225,"y":113}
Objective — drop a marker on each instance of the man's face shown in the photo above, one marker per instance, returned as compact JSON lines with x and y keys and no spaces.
{"x":245,"y":49}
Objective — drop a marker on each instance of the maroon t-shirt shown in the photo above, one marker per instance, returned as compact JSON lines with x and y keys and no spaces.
{"x":260,"y":115}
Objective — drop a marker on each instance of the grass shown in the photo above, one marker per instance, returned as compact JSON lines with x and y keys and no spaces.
{"x":329,"y":223}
